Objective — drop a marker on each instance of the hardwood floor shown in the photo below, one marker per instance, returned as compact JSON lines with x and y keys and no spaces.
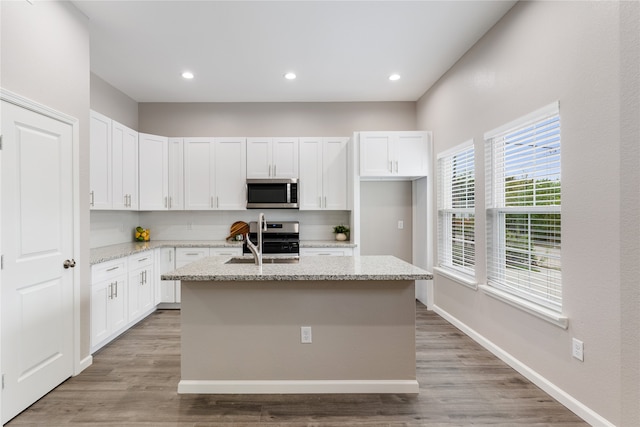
{"x":133,"y":382}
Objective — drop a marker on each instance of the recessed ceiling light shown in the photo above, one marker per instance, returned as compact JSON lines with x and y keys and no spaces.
{"x":290,"y":76}
{"x":187,"y":75}
{"x":394,"y":77}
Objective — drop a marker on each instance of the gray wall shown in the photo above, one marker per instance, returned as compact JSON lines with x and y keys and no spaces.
{"x":383,"y":204}
{"x":274,"y":119}
{"x":45,"y":57}
{"x":111,"y":102}
{"x":538,"y":53}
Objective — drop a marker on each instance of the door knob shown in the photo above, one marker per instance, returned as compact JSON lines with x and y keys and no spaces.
{"x":69,"y":263}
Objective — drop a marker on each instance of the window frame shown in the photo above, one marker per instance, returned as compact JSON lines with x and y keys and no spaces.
{"x":446,"y":213}
{"x":498,"y":208}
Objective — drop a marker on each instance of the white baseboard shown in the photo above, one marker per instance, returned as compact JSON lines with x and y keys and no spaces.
{"x":547,"y":386}
{"x":297,"y":387}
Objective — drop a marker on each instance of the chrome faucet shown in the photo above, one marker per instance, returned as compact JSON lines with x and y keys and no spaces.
{"x":256,"y":250}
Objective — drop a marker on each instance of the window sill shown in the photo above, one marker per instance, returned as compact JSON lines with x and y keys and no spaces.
{"x":460,"y":278}
{"x":550,"y":316}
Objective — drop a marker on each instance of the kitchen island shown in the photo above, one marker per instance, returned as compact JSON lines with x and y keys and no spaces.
{"x":243,"y":326}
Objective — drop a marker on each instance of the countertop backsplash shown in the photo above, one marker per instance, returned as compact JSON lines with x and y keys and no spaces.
{"x":114,"y":227}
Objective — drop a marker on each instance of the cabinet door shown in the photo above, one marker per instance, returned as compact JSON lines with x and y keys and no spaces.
{"x":285,"y":158}
{"x":230,"y":173}
{"x":176,"y":174}
{"x":375,"y":154}
{"x":186,"y":256}
{"x":199,"y":178}
{"x":100,"y":161}
{"x":259,"y":158}
{"x":124,"y":167}
{"x":135,"y":284}
{"x":100,"y":304}
{"x":147,"y":290}
{"x":153,"y":172}
{"x":311,"y":192}
{"x":334,"y":173}
{"x":411,"y":154}
{"x":118,"y":305}
{"x":165,"y":289}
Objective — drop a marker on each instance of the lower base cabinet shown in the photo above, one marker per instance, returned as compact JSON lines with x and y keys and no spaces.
{"x":108,"y":301}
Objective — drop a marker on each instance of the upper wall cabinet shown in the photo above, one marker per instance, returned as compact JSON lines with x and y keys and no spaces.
{"x":176,"y":174}
{"x":113,"y":164}
{"x":272,"y":157}
{"x":393,"y":154}
{"x":100,"y":162}
{"x":215,"y":171}
{"x":323,"y":173}
{"x":153,"y":161}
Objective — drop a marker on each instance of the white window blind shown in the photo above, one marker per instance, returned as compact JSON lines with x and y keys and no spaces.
{"x":523,"y":208}
{"x":456,"y":209}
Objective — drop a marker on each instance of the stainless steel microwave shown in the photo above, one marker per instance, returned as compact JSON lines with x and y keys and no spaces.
{"x":272,"y":193}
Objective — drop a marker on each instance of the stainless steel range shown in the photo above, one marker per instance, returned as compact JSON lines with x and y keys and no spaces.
{"x":279,"y":239}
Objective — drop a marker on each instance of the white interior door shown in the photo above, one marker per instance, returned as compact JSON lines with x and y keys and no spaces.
{"x":37,"y":237}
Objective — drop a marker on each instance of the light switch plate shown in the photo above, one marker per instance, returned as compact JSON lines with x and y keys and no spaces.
{"x":577,"y":349}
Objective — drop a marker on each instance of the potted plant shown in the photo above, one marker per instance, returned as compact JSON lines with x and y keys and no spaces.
{"x":341,"y":232}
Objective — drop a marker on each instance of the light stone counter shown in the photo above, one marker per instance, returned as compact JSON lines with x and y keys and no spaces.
{"x":108,"y":253}
{"x":311,"y":268}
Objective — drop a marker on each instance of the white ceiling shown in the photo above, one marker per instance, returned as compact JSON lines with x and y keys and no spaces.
{"x":239,"y":50}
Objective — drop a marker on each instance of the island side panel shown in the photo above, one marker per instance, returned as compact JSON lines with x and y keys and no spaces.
{"x":244,"y":331}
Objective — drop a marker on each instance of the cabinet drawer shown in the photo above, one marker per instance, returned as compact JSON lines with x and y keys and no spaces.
{"x":108,"y":270}
{"x":187,"y":255}
{"x":142,"y":259}
{"x":326,"y":252}
{"x":225,"y":251}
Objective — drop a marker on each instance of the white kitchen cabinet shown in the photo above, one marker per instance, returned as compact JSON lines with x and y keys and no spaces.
{"x":393,"y":154}
{"x":186,"y":256}
{"x":124,"y":167}
{"x":140,"y":286}
{"x":165,"y":289}
{"x":100,"y":196}
{"x":108,"y":301}
{"x":176,"y":174}
{"x":153,"y":172}
{"x":323,"y":173}
{"x":272,"y":157}
{"x":236,"y":251}
{"x":326,"y":251}
{"x":215,"y":173}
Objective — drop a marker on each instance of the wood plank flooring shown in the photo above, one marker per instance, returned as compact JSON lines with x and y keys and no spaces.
{"x":133,"y":382}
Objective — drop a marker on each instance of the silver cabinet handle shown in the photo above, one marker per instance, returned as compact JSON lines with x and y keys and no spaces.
{"x":390,"y":166}
{"x":325,"y":201}
{"x":396,"y":166}
{"x":110,"y":290}
{"x":217,"y":202}
{"x":115,"y":286}
{"x":91,"y":201}
{"x":170,"y":202}
{"x":112,"y":268}
{"x":320,"y":201}
{"x":269,"y":170}
{"x":143,"y":259}
{"x":165,"y":201}
{"x":211,"y":202}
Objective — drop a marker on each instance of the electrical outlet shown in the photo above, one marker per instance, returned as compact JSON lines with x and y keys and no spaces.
{"x":577,"y":349}
{"x":400,"y":225}
{"x":305,"y":334}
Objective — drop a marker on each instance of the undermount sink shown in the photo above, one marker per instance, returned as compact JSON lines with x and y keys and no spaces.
{"x":245,"y":260}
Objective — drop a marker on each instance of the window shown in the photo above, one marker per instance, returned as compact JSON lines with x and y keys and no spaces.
{"x":456,"y":209}
{"x":523,"y":208}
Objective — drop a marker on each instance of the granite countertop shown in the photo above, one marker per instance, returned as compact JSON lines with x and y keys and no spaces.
{"x":108,"y":253}
{"x":384,"y":267}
